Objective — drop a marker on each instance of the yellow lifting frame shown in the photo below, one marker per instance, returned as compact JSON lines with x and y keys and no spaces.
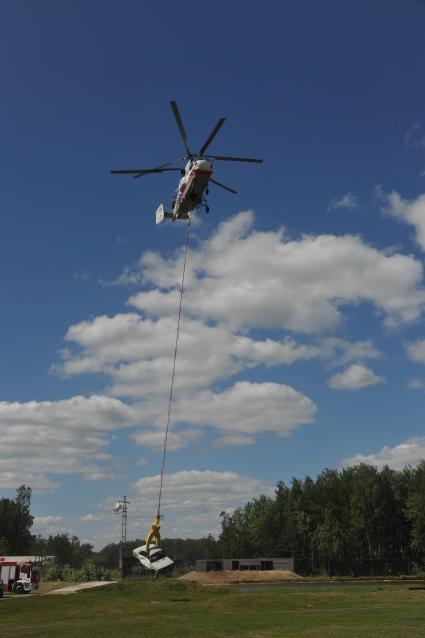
{"x":154,"y":534}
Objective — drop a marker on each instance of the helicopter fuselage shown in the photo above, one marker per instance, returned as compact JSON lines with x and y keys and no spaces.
{"x":192,"y":187}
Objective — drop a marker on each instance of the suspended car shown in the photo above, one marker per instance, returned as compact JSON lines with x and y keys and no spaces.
{"x":154,"y":559}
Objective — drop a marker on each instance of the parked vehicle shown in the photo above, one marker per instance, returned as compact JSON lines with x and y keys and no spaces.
{"x":18,"y":577}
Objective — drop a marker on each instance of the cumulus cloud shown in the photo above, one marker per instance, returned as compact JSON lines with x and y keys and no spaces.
{"x":51,"y":525}
{"x":191,"y":504}
{"x":238,"y":279}
{"x":249,"y":279}
{"x":348,"y":201}
{"x":176,"y":440}
{"x":342,"y":351}
{"x":416,"y":384}
{"x":234,"y":439}
{"x":135,"y":353}
{"x":410,"y":452}
{"x":193,"y":500}
{"x":57,"y":438}
{"x":416,"y":350}
{"x":249,"y":408}
{"x":355,"y":377}
{"x":48,"y":520}
{"x":90,"y":518}
{"x":415,"y":136}
{"x":239,"y":412}
{"x":409,"y":211}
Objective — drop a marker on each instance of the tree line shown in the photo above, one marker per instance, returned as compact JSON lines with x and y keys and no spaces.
{"x":16,"y":522}
{"x":355,"y":514}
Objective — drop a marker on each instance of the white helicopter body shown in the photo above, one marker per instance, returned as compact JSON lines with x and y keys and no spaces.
{"x":196,"y":175}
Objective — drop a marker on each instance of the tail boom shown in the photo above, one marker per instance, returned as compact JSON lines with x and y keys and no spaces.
{"x":161,"y":214}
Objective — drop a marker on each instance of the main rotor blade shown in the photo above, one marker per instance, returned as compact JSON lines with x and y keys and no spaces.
{"x":159,"y":170}
{"x":212,"y":135}
{"x":143,"y":171}
{"x":226,"y":188}
{"x":179,"y":121}
{"x":131,"y":170}
{"x":235,"y":159}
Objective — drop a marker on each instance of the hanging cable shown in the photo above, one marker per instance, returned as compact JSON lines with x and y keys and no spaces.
{"x":172,"y":377}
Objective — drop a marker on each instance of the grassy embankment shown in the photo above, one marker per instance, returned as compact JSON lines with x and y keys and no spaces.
{"x":167,"y":609}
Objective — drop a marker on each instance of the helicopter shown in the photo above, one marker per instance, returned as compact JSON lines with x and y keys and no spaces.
{"x":196,"y":175}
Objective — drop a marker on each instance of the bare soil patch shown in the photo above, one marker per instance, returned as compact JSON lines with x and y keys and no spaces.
{"x":233,"y":577}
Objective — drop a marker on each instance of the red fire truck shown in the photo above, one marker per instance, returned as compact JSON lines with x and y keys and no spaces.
{"x":18,"y":576}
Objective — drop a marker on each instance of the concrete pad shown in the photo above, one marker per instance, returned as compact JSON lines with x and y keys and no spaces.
{"x":71,"y":589}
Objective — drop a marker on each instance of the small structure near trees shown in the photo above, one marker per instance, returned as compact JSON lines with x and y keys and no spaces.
{"x":241,"y":564}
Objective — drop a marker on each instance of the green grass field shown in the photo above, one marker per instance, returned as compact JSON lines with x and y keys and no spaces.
{"x":168,"y":609}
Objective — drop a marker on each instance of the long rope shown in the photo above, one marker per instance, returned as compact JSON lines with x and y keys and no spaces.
{"x":173,"y":373}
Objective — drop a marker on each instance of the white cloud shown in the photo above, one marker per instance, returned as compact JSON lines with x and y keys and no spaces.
{"x":176,"y":440}
{"x":234,"y":439}
{"x":57,"y":438}
{"x":416,"y":384}
{"x":348,"y":201}
{"x":90,"y":518}
{"x":239,"y":412}
{"x":409,"y":211}
{"x":416,"y":350}
{"x":237,"y":280}
{"x":415,"y":137}
{"x":51,"y":525}
{"x":193,"y":500}
{"x":410,"y":452}
{"x":135,"y":352}
{"x":342,"y":351}
{"x":355,"y":377}
{"x":249,"y":279}
{"x":241,"y":279}
{"x":249,"y":408}
{"x":49,"y":520}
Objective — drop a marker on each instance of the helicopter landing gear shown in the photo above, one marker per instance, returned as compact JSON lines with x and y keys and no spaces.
{"x":204,"y":205}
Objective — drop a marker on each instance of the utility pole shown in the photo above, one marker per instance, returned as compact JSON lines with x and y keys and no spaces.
{"x":121,"y":506}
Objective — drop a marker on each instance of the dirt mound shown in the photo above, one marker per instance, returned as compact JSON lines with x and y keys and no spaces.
{"x":234,"y":577}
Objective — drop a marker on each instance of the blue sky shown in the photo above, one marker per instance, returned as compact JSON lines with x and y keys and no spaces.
{"x":303,"y":341}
